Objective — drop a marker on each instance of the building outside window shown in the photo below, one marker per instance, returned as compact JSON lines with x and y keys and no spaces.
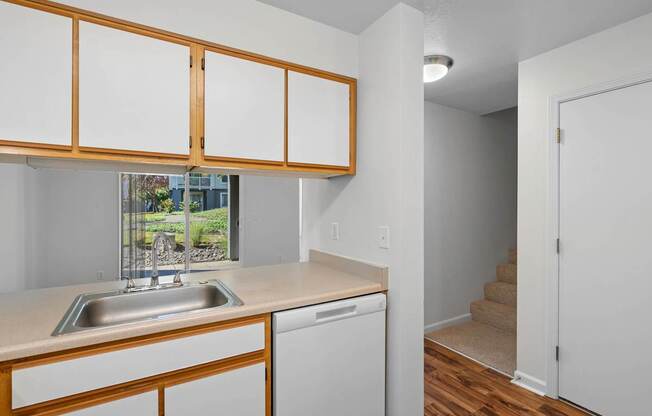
{"x":155,"y":203}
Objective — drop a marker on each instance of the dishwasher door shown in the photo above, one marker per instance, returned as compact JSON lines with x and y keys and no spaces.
{"x":329,"y":359}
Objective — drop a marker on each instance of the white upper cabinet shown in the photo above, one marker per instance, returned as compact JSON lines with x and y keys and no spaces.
{"x":318,"y":120}
{"x":244,"y":114}
{"x":35,"y":76}
{"x":134,"y":92}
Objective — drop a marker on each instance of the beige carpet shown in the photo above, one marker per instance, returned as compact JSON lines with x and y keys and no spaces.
{"x":491,"y":346}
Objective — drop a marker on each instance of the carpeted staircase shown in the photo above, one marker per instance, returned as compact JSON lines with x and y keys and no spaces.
{"x":498,"y":308}
{"x":490,"y":336}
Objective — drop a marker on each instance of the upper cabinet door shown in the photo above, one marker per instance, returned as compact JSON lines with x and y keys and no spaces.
{"x":318,"y":121}
{"x":134,"y":92}
{"x":35,"y":76}
{"x":244,"y":116}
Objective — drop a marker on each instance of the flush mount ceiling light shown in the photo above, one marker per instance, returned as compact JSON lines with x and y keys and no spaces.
{"x":436,"y":67}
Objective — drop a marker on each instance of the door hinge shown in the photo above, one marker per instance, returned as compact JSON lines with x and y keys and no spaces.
{"x":558,"y":135}
{"x":202,"y":142}
{"x":190,"y":142}
{"x":557,"y":246}
{"x":191,"y":61}
{"x":265,"y":373}
{"x":557,"y":353}
{"x":203,"y":63}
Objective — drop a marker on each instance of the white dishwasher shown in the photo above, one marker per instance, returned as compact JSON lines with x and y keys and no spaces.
{"x":329,"y":359}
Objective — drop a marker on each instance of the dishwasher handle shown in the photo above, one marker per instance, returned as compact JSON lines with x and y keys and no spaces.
{"x":327,"y":312}
{"x":335,"y":314}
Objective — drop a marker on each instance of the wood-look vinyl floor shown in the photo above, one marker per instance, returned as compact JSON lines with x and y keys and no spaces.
{"x":456,"y":385}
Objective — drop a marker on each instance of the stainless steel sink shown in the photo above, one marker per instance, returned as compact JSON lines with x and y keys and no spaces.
{"x":98,"y":310}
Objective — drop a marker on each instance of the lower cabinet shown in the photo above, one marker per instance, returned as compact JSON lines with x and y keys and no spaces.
{"x":212,"y":369}
{"x":239,"y":392}
{"x":145,"y":404}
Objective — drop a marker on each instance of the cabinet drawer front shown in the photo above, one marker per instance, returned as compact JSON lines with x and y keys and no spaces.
{"x":145,"y":404}
{"x":64,"y":378}
{"x":238,"y":392}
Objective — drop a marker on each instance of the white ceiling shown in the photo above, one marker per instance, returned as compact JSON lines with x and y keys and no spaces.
{"x":353,"y":16}
{"x":486,"y":38}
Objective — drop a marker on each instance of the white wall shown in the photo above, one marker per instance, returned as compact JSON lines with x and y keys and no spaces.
{"x":243,"y":24}
{"x":470,"y":205}
{"x":571,"y":67}
{"x":269,"y":220}
{"x":387,"y":190}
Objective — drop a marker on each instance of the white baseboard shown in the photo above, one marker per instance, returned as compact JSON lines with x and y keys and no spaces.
{"x":446,"y":323}
{"x":530,"y":383}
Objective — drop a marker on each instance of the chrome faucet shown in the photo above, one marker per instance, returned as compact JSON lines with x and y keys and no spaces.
{"x":169,"y":244}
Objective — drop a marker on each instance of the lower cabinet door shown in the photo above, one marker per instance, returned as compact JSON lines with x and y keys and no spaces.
{"x":145,"y":404}
{"x":239,"y":392}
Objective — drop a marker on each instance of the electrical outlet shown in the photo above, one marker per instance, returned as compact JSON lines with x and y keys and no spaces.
{"x":335,"y":231}
{"x":383,"y":236}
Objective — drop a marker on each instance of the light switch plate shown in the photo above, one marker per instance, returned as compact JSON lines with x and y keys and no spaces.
{"x":335,"y":231}
{"x":383,"y":236}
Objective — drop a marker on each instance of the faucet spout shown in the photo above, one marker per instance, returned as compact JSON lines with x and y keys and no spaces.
{"x":169,"y":244}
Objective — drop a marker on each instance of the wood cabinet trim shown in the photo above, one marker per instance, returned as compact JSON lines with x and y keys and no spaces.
{"x":129,"y":343}
{"x":75,"y":84}
{"x":87,"y":149}
{"x":195,"y":156}
{"x":134,"y":387}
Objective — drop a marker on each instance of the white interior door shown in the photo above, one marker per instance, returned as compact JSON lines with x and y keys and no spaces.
{"x":244,"y":109}
{"x":35,"y":76}
{"x":605,"y":270}
{"x":134,"y":92}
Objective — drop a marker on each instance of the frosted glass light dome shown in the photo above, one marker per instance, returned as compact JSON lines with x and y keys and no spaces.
{"x":436,"y":67}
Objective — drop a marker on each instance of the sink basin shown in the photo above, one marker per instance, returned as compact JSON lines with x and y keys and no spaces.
{"x":99,"y":310}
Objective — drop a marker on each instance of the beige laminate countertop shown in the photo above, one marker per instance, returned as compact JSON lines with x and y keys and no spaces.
{"x":28,"y":318}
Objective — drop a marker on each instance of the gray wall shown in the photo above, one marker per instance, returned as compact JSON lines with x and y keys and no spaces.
{"x":60,"y":227}
{"x":13,"y":218}
{"x":470,"y":205}
{"x":269,"y":220}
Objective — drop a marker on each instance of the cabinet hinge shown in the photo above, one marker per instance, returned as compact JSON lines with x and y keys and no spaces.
{"x":191,"y":61}
{"x":203,"y":63}
{"x":557,"y":246}
{"x":557,"y":353}
{"x":558,"y":135}
{"x":202,"y":142}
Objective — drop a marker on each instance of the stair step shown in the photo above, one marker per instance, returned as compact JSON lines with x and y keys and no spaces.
{"x":500,"y":292}
{"x":506,"y":273}
{"x":494,"y":314}
{"x":512,"y":256}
